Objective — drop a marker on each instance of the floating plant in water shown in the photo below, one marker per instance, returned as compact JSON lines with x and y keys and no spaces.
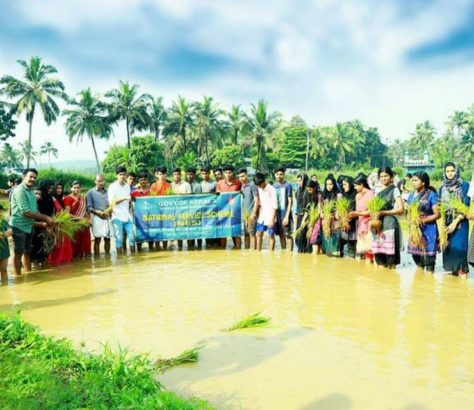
{"x":255,"y":320}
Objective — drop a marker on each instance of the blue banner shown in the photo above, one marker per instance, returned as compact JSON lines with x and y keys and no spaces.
{"x":188,"y":216}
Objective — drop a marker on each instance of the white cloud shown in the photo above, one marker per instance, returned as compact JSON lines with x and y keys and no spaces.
{"x":325,"y":60}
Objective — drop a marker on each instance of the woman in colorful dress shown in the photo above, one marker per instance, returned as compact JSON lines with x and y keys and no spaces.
{"x":75,"y":204}
{"x":455,"y":253}
{"x":349,"y":236}
{"x":470,"y":253}
{"x":302,"y":202}
{"x":62,"y":252}
{"x":331,"y":241}
{"x":313,"y":226}
{"x":425,"y":256}
{"x":362,"y":217}
{"x":386,"y":244}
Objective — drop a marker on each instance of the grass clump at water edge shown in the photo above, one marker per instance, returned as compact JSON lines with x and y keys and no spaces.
{"x":251,"y":321}
{"x":40,"y":372}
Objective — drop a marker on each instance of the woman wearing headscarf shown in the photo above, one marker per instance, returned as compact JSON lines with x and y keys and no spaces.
{"x":331,"y":239}
{"x":427,"y":199}
{"x":386,"y":244}
{"x":457,"y":226}
{"x":349,"y":233}
{"x":302,"y":201}
{"x":41,"y":236}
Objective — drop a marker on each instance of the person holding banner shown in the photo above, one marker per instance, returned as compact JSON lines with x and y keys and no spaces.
{"x":180,"y":187}
{"x":161,"y":186}
{"x":119,"y":199}
{"x":195,"y":189}
{"x":267,"y":210}
{"x":143,"y":189}
{"x":207,"y":186}
{"x":249,"y":208}
{"x":229,"y":184}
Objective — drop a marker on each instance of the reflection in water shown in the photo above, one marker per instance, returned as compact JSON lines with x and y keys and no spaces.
{"x":344,"y":334}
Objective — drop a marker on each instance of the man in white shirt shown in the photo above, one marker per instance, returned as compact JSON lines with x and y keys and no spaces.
{"x":267,"y":210}
{"x":119,"y":199}
{"x":178,"y":186}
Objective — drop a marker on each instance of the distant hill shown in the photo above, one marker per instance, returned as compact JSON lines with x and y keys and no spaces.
{"x":85,"y":166}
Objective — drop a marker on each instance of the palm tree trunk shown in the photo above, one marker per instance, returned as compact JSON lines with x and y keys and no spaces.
{"x":128,"y":133}
{"x":183,"y":135}
{"x":236,"y":136}
{"x":30,"y":127}
{"x":49,"y":158}
{"x":95,"y":153}
{"x":157,"y":134}
{"x":307,"y":151}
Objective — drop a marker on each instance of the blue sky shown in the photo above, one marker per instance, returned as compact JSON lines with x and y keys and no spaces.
{"x":389,"y":63}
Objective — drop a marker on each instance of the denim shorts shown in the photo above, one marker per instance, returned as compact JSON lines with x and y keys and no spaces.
{"x":271,"y":231}
{"x":21,"y":241}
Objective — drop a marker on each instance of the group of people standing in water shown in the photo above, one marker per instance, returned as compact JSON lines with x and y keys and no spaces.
{"x":307,"y":217}
{"x":383,"y":246}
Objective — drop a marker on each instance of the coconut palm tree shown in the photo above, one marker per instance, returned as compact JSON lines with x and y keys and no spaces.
{"x":423,"y":137}
{"x":318,"y":144}
{"x":9,"y":157}
{"x":49,"y":149}
{"x":88,"y":116}
{"x":26,"y":153}
{"x":156,"y":115}
{"x":37,"y":89}
{"x":126,"y":104}
{"x":207,"y":125}
{"x":458,"y":122}
{"x":342,"y":140}
{"x":237,"y":123}
{"x":181,"y":118}
{"x":263,"y":125}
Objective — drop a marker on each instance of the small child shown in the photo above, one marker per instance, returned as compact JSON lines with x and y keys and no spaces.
{"x":5,"y":233}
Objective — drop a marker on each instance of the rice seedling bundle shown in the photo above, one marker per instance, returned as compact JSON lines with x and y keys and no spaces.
{"x":66,"y":225}
{"x":328,"y":208}
{"x":375,"y":205}
{"x":188,"y":356}
{"x":415,"y":235}
{"x":443,"y":234}
{"x":255,"y":320}
{"x":460,"y":207}
{"x":342,"y":208}
{"x":313,"y":215}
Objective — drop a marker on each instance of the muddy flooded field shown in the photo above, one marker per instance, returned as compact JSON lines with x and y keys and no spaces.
{"x":343,"y":334}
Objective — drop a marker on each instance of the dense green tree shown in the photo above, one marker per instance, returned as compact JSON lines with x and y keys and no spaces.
{"x":292,"y":151}
{"x":230,"y":154}
{"x":127,"y":105}
{"x":37,"y":89}
{"x":7,"y":122}
{"x":9,"y":157}
{"x":88,"y":116}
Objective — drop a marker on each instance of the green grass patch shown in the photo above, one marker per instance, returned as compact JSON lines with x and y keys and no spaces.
{"x":251,"y":321}
{"x":40,"y":372}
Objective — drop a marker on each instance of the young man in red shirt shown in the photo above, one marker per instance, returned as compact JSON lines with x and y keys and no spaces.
{"x":142,"y":190}
{"x":229,"y":184}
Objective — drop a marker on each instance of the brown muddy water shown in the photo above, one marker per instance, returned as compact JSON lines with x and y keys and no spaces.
{"x":344,"y":334}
